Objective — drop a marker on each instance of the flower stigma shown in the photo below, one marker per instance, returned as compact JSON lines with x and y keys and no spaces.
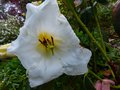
{"x":46,"y":42}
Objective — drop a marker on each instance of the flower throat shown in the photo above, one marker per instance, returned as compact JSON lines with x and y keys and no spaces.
{"x":46,"y":41}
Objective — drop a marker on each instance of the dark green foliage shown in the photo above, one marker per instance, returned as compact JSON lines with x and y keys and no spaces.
{"x":65,"y":82}
{"x":87,"y":16}
{"x":12,"y":75}
{"x":104,"y":2}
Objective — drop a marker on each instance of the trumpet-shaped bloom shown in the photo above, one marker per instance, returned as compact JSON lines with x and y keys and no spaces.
{"x":47,"y":46}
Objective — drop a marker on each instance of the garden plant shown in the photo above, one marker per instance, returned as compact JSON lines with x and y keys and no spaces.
{"x":59,"y":45}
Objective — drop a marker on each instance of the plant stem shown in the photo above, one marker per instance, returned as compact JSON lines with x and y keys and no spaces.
{"x":100,"y":33}
{"x":98,"y":26}
{"x":117,"y":87}
{"x":91,"y":36}
{"x":94,"y":74}
{"x":90,"y":81}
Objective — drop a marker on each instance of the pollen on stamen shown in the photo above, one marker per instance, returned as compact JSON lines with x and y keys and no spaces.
{"x":46,"y":43}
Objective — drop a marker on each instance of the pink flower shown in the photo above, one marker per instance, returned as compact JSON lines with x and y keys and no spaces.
{"x":98,"y":85}
{"x":104,"y":84}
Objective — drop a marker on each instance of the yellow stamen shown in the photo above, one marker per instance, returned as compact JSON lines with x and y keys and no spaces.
{"x":46,"y":43}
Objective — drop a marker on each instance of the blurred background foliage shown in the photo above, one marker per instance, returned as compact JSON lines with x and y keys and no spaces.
{"x":9,"y":29}
{"x":12,"y":16}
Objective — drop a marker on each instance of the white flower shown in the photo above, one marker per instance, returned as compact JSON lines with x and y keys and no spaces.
{"x":47,"y":46}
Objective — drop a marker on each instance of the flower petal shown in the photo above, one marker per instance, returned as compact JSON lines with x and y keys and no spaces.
{"x":30,"y":10}
{"x":75,"y":63}
{"x":22,"y":40}
{"x":66,"y":32}
{"x":46,"y":5}
{"x":108,"y":81}
{"x":98,"y":85}
{"x":44,"y":16}
{"x":76,"y":58}
{"x":44,"y":71}
{"x":40,"y":70}
{"x":48,"y":10}
{"x":106,"y":84}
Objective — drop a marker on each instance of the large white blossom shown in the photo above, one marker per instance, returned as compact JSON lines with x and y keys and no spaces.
{"x":47,"y":46}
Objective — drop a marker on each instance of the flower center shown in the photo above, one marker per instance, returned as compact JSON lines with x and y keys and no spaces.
{"x":46,"y":41}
